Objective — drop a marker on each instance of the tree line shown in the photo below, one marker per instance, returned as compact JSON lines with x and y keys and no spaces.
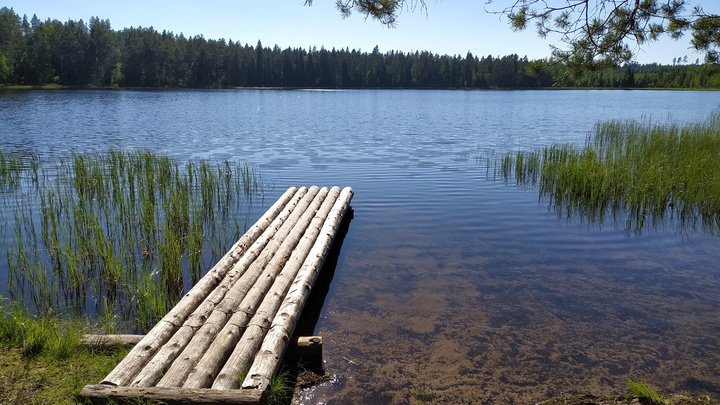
{"x":73,"y":53}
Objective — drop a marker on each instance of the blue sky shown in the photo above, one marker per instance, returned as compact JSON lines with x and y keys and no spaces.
{"x":449,"y":27}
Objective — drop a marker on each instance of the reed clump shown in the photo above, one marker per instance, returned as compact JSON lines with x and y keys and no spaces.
{"x":649,"y":172}
{"x":120,"y":235}
{"x":642,"y":391}
{"x":12,"y":166}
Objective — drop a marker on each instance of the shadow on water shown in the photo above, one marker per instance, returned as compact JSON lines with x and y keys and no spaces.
{"x":307,"y":372}
{"x":307,"y":323}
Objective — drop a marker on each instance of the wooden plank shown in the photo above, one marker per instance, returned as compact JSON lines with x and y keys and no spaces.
{"x":300,"y":346}
{"x":105,"y":394}
{"x":205,"y":371}
{"x":216,"y":324}
{"x":110,"y":340}
{"x":207,"y":319}
{"x":241,"y":358}
{"x":166,"y":327}
{"x":268,"y":358}
{"x":305,"y":349}
{"x":239,"y":317}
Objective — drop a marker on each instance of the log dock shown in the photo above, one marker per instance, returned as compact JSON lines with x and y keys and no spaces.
{"x":226,"y":338}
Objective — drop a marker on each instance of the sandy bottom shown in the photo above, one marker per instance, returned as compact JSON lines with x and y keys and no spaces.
{"x":467,"y":326}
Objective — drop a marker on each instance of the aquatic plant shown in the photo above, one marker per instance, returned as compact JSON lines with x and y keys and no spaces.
{"x":12,"y":167}
{"x":119,"y":235}
{"x":642,"y":391}
{"x":645,"y":171}
{"x":421,"y":395}
{"x":280,"y":389}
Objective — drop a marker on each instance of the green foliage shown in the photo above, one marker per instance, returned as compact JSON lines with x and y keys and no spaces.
{"x":597,"y":35}
{"x":11,"y":167}
{"x":421,"y":395}
{"x":652,"y":76}
{"x":385,"y":11}
{"x":36,"y":335}
{"x":646,"y":171}
{"x":4,"y":68}
{"x":118,"y":234}
{"x":281,"y":388}
{"x":48,"y":375}
{"x":706,"y":37}
{"x":76,"y":54}
{"x":640,"y":390}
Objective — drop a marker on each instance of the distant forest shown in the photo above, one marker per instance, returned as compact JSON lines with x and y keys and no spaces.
{"x":73,"y":53}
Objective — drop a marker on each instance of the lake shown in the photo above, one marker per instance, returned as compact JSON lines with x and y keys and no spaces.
{"x":450,"y":282}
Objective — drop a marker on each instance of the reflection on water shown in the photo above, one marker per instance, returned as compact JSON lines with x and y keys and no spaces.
{"x":449,"y":281}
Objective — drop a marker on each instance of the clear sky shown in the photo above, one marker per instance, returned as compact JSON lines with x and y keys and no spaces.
{"x":449,"y":27}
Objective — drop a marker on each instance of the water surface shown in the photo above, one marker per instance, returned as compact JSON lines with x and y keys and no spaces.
{"x":450,"y":281}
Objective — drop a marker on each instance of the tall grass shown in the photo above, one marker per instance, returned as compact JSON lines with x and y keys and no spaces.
{"x":118,"y":235}
{"x":37,"y":335}
{"x":645,"y":171}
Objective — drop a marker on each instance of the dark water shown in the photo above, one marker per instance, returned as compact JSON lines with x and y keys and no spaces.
{"x":450,"y":282}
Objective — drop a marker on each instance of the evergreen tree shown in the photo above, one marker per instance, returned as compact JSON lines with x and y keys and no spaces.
{"x":73,"y":53}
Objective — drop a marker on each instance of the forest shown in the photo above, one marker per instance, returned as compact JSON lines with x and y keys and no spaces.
{"x":78,"y":54}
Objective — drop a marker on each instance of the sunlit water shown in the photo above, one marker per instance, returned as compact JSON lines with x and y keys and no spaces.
{"x":450,"y":282}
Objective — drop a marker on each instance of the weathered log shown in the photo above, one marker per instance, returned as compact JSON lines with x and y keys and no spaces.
{"x":110,"y":340}
{"x":249,"y":301}
{"x":268,"y":358}
{"x":205,"y":321}
{"x":216,"y":331}
{"x":104,"y":394}
{"x":241,"y":358}
{"x":306,"y":350}
{"x":166,"y":327}
{"x":217,"y":354}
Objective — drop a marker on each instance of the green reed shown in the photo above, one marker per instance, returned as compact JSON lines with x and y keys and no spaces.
{"x":648,"y":171}
{"x":120,"y":232}
{"x":12,"y":168}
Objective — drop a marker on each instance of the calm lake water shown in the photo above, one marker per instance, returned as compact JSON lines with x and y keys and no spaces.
{"x":450,"y":282}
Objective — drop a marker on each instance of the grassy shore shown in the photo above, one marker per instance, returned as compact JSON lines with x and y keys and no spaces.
{"x":43,"y":362}
{"x":103,"y":242}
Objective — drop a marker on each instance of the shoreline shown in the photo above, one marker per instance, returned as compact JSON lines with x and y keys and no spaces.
{"x":63,"y":87}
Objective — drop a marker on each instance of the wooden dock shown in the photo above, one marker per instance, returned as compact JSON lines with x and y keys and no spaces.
{"x":227,"y":336}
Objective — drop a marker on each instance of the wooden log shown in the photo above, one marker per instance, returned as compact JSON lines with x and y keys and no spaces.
{"x":205,"y":322}
{"x":153,"y":370}
{"x":268,"y":358}
{"x":107,"y":394}
{"x":166,"y":327}
{"x":305,"y":349}
{"x":206,"y":370}
{"x":300,"y":346}
{"x":110,"y":340}
{"x":241,"y":358}
{"x":216,"y":332}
